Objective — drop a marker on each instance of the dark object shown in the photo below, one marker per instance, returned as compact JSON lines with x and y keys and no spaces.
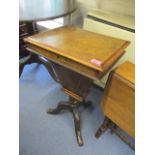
{"x":77,"y":87}
{"x":72,"y":105}
{"x":25,"y":30}
{"x":33,"y":58}
{"x":108,"y":124}
{"x":103,"y":127}
{"x":74,"y":84}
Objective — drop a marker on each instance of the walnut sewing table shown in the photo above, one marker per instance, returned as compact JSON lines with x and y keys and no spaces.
{"x":77,"y":58}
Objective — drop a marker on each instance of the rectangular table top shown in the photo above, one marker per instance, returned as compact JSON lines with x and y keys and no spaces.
{"x":87,"y":48}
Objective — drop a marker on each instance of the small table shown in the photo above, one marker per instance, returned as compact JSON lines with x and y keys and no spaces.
{"x":78,"y":57}
{"x":34,"y":10}
{"x":118,"y":103}
{"x":31,"y":11}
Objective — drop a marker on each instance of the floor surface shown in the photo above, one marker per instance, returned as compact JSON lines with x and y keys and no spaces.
{"x":43,"y":134}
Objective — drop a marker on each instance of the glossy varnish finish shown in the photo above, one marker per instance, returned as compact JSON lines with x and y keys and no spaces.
{"x":127,"y":71}
{"x":67,"y":52}
{"x":67,"y":63}
{"x":80,"y":45}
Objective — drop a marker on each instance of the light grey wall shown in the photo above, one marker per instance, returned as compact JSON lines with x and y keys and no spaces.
{"x":123,"y":7}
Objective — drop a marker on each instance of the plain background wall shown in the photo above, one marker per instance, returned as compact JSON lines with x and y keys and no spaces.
{"x":123,"y":7}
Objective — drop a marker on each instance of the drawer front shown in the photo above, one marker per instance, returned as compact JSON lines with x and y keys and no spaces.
{"x":119,"y":104}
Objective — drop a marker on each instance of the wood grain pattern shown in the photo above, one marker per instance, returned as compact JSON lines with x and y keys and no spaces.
{"x":70,"y":93}
{"x":80,"y":45}
{"x":118,"y":103}
{"x":127,"y":71}
{"x":67,"y":63}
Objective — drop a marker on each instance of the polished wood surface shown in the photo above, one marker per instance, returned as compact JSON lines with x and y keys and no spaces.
{"x":68,"y":52}
{"x":37,"y":10}
{"x":127,"y":71}
{"x":65,"y":62}
{"x":72,"y":81}
{"x":81,"y":46}
{"x":118,"y":102}
{"x":76,"y":86}
{"x":108,"y":124}
{"x":70,"y":93}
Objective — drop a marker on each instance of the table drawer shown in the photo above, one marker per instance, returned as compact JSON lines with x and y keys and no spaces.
{"x":63,"y":61}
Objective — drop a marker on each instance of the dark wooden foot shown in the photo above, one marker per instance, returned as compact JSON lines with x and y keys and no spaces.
{"x":22,"y":62}
{"x":21,"y":67}
{"x":87,"y":103}
{"x":72,"y":105}
{"x":33,"y":58}
{"x":49,"y":66}
{"x":76,"y":116}
{"x":103,"y":127}
{"x":61,"y":106}
{"x":113,"y":129}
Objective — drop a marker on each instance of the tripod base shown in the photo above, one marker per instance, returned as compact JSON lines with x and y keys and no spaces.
{"x":72,"y":105}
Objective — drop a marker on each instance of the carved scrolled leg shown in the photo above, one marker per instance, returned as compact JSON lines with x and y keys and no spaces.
{"x":21,"y":67}
{"x":103,"y":127}
{"x":72,"y":105}
{"x":33,"y":58}
{"x":23,"y":62}
{"x":77,"y":125}
{"x":49,"y":67}
{"x":61,"y":106}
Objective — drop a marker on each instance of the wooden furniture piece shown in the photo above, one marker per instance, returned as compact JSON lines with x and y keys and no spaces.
{"x":77,"y":57}
{"x":118,"y":103}
{"x":25,"y":29}
{"x":31,"y":12}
